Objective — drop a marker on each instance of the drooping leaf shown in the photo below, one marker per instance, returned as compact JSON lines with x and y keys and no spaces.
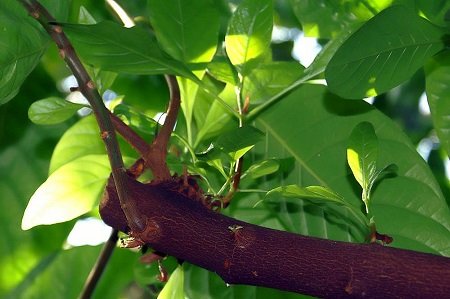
{"x":438,"y":94}
{"x":311,"y":116}
{"x":177,"y":26}
{"x":239,"y":140}
{"x":383,"y":53}
{"x":262,"y":168}
{"x":174,"y":288}
{"x":109,"y":46}
{"x":319,"y":195}
{"x":249,"y":33}
{"x":52,"y":111}
{"x":71,"y":191}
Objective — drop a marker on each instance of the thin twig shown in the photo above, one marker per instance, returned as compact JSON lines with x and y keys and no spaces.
{"x":132,"y":138}
{"x":88,"y":89}
{"x":100,"y":265}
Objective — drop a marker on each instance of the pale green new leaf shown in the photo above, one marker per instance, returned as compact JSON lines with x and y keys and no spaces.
{"x":438,"y":95}
{"x":362,"y":155}
{"x":52,"y":111}
{"x":71,"y":191}
{"x":261,"y":168}
{"x":111,"y":47}
{"x":174,"y":288}
{"x":187,"y":30}
{"x":383,"y":53}
{"x":249,"y":33}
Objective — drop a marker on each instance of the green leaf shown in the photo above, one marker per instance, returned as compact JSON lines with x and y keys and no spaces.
{"x":321,"y":18}
{"x":18,"y":56}
{"x":249,"y":33}
{"x":177,"y":25}
{"x":438,"y":94}
{"x":239,"y":139}
{"x":111,"y":47}
{"x":383,"y":53}
{"x":269,"y":79}
{"x":362,"y":155}
{"x":221,"y":69}
{"x":80,"y":140}
{"x":52,"y":111}
{"x":318,"y":144}
{"x":71,"y":191}
{"x":174,"y":288}
{"x":217,"y":117}
{"x":318,"y":195}
{"x":261,"y":168}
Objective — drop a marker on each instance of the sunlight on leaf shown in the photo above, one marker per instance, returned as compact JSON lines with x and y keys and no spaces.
{"x":69,"y":192}
{"x":52,"y":111}
{"x":249,"y":33}
{"x":384,"y":52}
{"x":174,"y":288}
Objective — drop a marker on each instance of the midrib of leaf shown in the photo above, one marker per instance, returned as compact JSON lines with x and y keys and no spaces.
{"x":285,"y":146}
{"x":180,"y":22}
{"x":251,"y":29}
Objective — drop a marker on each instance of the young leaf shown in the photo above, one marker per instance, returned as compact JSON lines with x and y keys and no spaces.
{"x":438,"y":94}
{"x":177,"y":26}
{"x":249,"y":33}
{"x":362,"y":155}
{"x":238,"y":141}
{"x":109,"y":46}
{"x":383,"y":53}
{"x":69,"y":192}
{"x":262,"y":168}
{"x":174,"y":288}
{"x":317,"y":195}
{"x":52,"y":110}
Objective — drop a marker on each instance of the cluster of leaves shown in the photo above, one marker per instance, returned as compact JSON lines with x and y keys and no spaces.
{"x":238,"y":100}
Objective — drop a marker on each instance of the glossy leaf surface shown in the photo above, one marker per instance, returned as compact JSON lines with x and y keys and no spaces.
{"x":383,"y":53}
{"x":52,"y":111}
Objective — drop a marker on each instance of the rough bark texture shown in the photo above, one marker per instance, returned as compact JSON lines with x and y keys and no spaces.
{"x":242,"y":253}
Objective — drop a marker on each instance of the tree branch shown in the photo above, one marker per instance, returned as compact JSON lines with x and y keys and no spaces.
{"x":243,"y":253}
{"x":100,"y":265}
{"x":88,"y":89}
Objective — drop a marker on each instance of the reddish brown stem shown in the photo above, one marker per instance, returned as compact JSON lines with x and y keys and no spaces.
{"x":156,"y":156}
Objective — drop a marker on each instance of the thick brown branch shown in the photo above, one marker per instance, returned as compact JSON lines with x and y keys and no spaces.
{"x":242,"y":253}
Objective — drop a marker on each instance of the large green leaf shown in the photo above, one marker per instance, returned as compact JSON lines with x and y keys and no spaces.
{"x":177,"y":26}
{"x":383,"y":53}
{"x":313,"y":127}
{"x":249,"y":33}
{"x":438,"y":94}
{"x":109,"y":46}
{"x":321,"y":18}
{"x":80,"y":140}
{"x":71,"y":191}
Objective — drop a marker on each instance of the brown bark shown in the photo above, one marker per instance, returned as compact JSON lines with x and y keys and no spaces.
{"x":242,"y":253}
